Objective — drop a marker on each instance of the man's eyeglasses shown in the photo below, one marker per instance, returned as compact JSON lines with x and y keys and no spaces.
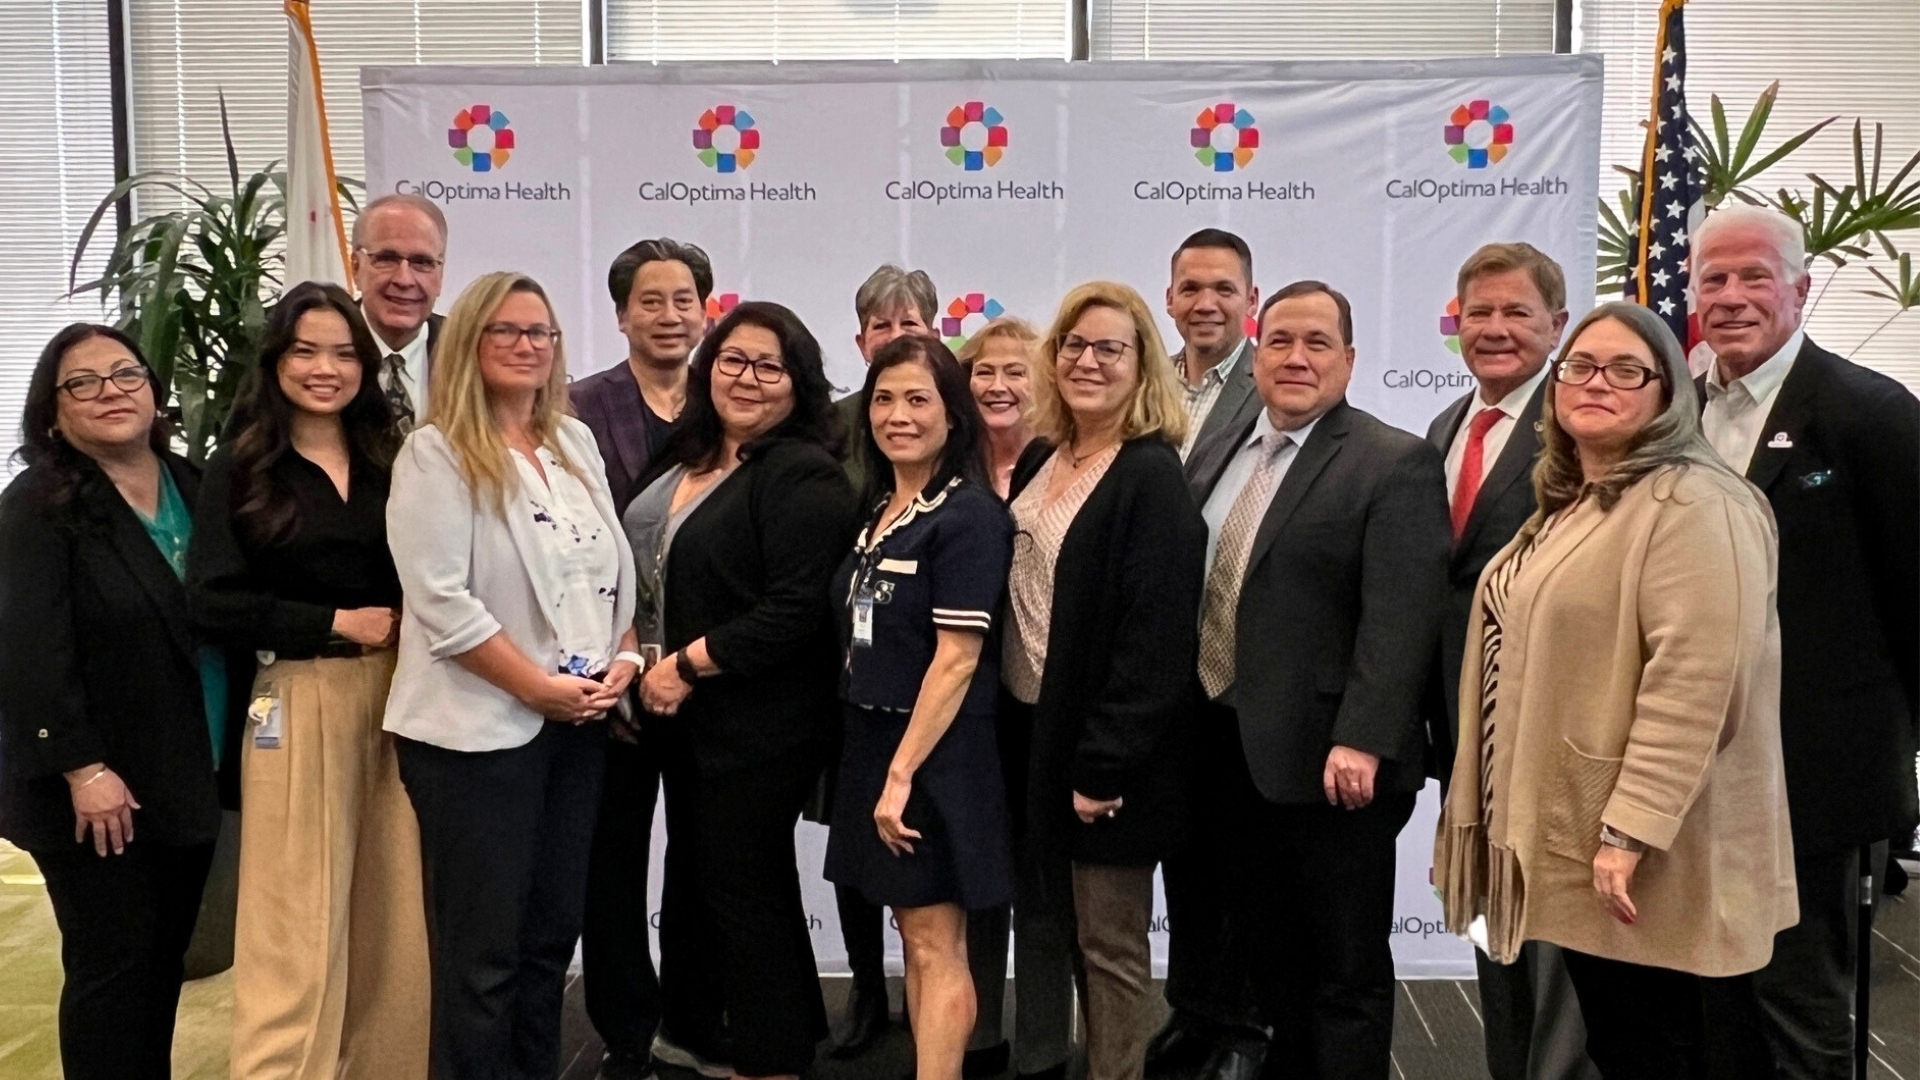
{"x":765,"y":372}
{"x":1106,"y":351}
{"x":89,"y":386}
{"x":388,"y":262}
{"x":506,"y":335}
{"x":1620,"y":376}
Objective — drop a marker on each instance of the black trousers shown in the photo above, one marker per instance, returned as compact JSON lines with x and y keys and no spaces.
{"x":504,"y":837}
{"x":1531,"y":1017}
{"x":861,"y":926}
{"x":125,"y":921}
{"x":1314,"y":910}
{"x":1649,"y":1023}
{"x":1207,"y":980}
{"x":734,"y":939}
{"x":616,"y":973}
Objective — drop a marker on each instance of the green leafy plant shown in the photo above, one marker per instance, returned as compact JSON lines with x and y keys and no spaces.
{"x":192,"y":283}
{"x":1850,"y":223}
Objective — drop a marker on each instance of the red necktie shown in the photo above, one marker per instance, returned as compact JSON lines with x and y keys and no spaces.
{"x":1467,"y":488}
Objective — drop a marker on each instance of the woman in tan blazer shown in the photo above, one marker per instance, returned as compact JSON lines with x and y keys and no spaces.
{"x":1618,"y":789}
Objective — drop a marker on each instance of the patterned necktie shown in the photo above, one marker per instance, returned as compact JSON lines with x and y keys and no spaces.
{"x":396,"y":390}
{"x":1220,"y":604}
{"x":1472,"y":464}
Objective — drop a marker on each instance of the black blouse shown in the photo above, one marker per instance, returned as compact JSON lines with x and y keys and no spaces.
{"x":941,"y":565}
{"x":282,"y":596}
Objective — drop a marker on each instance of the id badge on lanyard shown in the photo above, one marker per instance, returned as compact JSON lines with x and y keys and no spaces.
{"x":863,"y":616}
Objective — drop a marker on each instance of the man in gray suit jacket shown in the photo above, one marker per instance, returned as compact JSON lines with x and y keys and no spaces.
{"x":1209,"y":299}
{"x":1325,"y":590}
{"x":1513,"y":303}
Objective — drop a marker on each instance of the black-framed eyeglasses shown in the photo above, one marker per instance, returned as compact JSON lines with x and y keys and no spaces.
{"x":1106,"y":351}
{"x":506,"y":335}
{"x":1620,"y":375}
{"x":766,"y":371}
{"x":89,"y":386}
{"x":387,"y":261}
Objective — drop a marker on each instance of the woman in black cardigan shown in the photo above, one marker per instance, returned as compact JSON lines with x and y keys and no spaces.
{"x":1101,"y":649}
{"x":114,"y":716}
{"x":736,"y":539}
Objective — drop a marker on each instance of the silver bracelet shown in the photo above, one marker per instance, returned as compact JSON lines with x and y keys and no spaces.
{"x":91,"y":779}
{"x":1620,"y":840}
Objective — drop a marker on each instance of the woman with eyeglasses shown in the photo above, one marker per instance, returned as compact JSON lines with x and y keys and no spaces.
{"x":114,"y":713}
{"x":1618,"y":789}
{"x":737,"y":535}
{"x":515,"y":639}
{"x":290,"y":562}
{"x":1100,"y":659}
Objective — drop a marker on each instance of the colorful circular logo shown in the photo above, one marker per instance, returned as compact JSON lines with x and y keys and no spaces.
{"x":718,"y":304}
{"x":1450,"y":325}
{"x":480,"y":138}
{"x":726,"y":140}
{"x":975,"y":136}
{"x":1478,"y":134}
{"x":1224,"y":137}
{"x":966,"y":315}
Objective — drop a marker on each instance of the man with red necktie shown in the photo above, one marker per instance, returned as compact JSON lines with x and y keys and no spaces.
{"x":1512,"y":312}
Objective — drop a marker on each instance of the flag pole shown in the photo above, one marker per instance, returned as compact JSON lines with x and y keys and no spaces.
{"x":1642,"y":238}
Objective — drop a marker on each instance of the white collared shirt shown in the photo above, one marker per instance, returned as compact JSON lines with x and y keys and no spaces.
{"x":1737,"y":413}
{"x":1240,"y":470}
{"x":1200,"y":399}
{"x":1510,"y":408}
{"x":414,"y":356}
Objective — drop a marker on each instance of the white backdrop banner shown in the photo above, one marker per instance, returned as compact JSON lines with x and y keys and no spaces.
{"x":1011,"y":182}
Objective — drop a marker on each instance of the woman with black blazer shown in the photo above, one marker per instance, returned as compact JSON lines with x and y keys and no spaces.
{"x":737,"y":538}
{"x":1102,"y":643}
{"x":290,"y":561}
{"x":516,"y":636}
{"x":115,"y":716}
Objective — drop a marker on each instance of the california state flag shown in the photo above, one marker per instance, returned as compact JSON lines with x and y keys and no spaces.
{"x":316,"y":233}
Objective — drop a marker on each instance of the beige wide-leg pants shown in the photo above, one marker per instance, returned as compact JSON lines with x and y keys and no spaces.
{"x":330,"y":950}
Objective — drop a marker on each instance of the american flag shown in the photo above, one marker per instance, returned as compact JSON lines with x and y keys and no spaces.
{"x":1670,"y":204}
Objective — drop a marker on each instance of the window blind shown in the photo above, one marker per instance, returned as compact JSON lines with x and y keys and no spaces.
{"x":1842,"y":58}
{"x":1323,"y":30}
{"x":184,"y":53}
{"x":775,"y":30}
{"x":56,"y":93}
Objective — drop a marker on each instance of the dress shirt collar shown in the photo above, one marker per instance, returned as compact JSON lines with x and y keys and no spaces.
{"x":414,"y":352}
{"x":1216,"y":373}
{"x":1263,"y":427}
{"x":1516,"y":401}
{"x":1762,"y":381}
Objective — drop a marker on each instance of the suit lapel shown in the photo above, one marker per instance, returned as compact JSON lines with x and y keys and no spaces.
{"x":630,"y":426}
{"x":129,"y":540}
{"x":1234,"y":393}
{"x":1514,"y":463}
{"x":1443,"y":430}
{"x":1792,"y":412}
{"x":521,"y":526}
{"x":1308,"y":463}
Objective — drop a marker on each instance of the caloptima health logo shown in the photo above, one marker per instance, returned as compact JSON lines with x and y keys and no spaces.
{"x":725,"y":139}
{"x":718,"y":304}
{"x":1450,"y":326}
{"x":975,"y":136}
{"x":1478,"y":134}
{"x":480,"y":138}
{"x":1224,"y":137}
{"x":966,"y":314}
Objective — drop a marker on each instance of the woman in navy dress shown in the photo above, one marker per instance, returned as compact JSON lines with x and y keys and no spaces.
{"x":920,"y":818}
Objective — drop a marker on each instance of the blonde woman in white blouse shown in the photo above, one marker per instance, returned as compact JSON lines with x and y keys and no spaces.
{"x":516,"y":635}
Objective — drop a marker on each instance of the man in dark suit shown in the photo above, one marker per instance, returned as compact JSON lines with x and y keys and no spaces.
{"x":1213,"y":1022}
{"x":1513,"y":303}
{"x":399,"y":265}
{"x":1836,"y":449}
{"x":1325,"y":591}
{"x":659,"y":290}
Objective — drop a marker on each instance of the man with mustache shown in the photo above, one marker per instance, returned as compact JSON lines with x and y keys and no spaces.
{"x":399,"y":264}
{"x":1836,"y":449}
{"x":1513,"y":302}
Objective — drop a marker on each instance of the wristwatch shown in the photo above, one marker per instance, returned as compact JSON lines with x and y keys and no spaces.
{"x":1620,"y":840}
{"x":683,"y":664}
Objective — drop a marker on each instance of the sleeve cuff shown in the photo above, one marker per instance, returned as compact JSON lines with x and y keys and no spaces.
{"x":1656,"y":830}
{"x":957,"y":619}
{"x":465,"y":637}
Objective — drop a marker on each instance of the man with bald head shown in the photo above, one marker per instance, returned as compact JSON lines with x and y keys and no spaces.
{"x":1836,"y":449}
{"x":399,"y":264}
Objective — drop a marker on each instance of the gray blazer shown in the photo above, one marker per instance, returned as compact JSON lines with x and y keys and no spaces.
{"x":469,"y":574}
{"x":1235,"y":395}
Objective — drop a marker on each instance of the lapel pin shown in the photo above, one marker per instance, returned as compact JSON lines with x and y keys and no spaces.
{"x":1780,"y":442}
